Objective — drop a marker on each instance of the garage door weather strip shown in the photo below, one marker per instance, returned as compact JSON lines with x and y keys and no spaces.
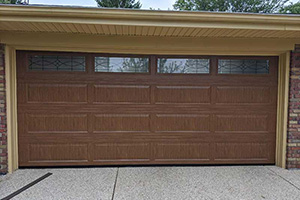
{"x":12,"y":195}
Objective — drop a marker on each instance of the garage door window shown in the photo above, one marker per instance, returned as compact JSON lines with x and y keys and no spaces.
{"x":122,"y":64}
{"x":56,"y":63}
{"x":240,"y":66}
{"x":183,"y":66}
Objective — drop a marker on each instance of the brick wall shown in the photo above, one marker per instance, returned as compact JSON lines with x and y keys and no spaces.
{"x":293,"y":149}
{"x":3,"y":132}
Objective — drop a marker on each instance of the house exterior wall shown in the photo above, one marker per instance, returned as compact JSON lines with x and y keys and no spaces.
{"x":293,"y":143}
{"x":293,"y":137}
{"x":3,"y":127}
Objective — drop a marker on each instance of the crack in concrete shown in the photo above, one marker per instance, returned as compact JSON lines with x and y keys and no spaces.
{"x":115,"y":185}
{"x":286,"y":180}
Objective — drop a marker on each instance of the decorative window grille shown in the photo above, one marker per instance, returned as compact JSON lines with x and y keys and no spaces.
{"x":56,"y":63}
{"x":235,"y":66}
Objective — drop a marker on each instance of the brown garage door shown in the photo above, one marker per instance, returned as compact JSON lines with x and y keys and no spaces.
{"x":101,"y":109}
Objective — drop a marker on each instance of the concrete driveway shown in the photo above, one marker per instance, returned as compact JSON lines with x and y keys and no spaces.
{"x":236,"y":182}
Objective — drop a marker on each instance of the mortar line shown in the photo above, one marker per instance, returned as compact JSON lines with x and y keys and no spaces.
{"x":285,"y":179}
{"x":115,"y":185}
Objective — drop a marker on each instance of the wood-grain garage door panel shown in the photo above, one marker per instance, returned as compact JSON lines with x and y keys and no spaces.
{"x":57,"y":123}
{"x":243,"y":95}
{"x":58,"y":152}
{"x":182,"y":151}
{"x":121,"y":123}
{"x":182,"y":94}
{"x":104,"y":118}
{"x":239,"y":122}
{"x":242,"y":151}
{"x":57,"y":93}
{"x":122,"y":152}
{"x":182,"y":122}
{"x":121,"y":94}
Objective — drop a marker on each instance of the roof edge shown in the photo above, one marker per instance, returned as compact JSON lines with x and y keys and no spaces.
{"x":19,"y":11}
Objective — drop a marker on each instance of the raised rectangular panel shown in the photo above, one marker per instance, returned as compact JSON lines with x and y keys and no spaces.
{"x":51,"y":123}
{"x":105,"y":152}
{"x":243,"y":94}
{"x":58,"y":152}
{"x":241,"y":151}
{"x":183,"y":94}
{"x":121,"y":123}
{"x":57,"y":93}
{"x":182,"y":151}
{"x":121,"y":94}
{"x":241,"y":123}
{"x":182,"y":122}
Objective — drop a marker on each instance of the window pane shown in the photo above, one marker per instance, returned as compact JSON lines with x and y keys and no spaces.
{"x":118,"y":64}
{"x":56,"y":63}
{"x":229,"y":66}
{"x":183,"y":66}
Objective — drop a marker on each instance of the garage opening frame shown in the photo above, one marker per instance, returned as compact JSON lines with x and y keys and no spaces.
{"x":11,"y":101}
